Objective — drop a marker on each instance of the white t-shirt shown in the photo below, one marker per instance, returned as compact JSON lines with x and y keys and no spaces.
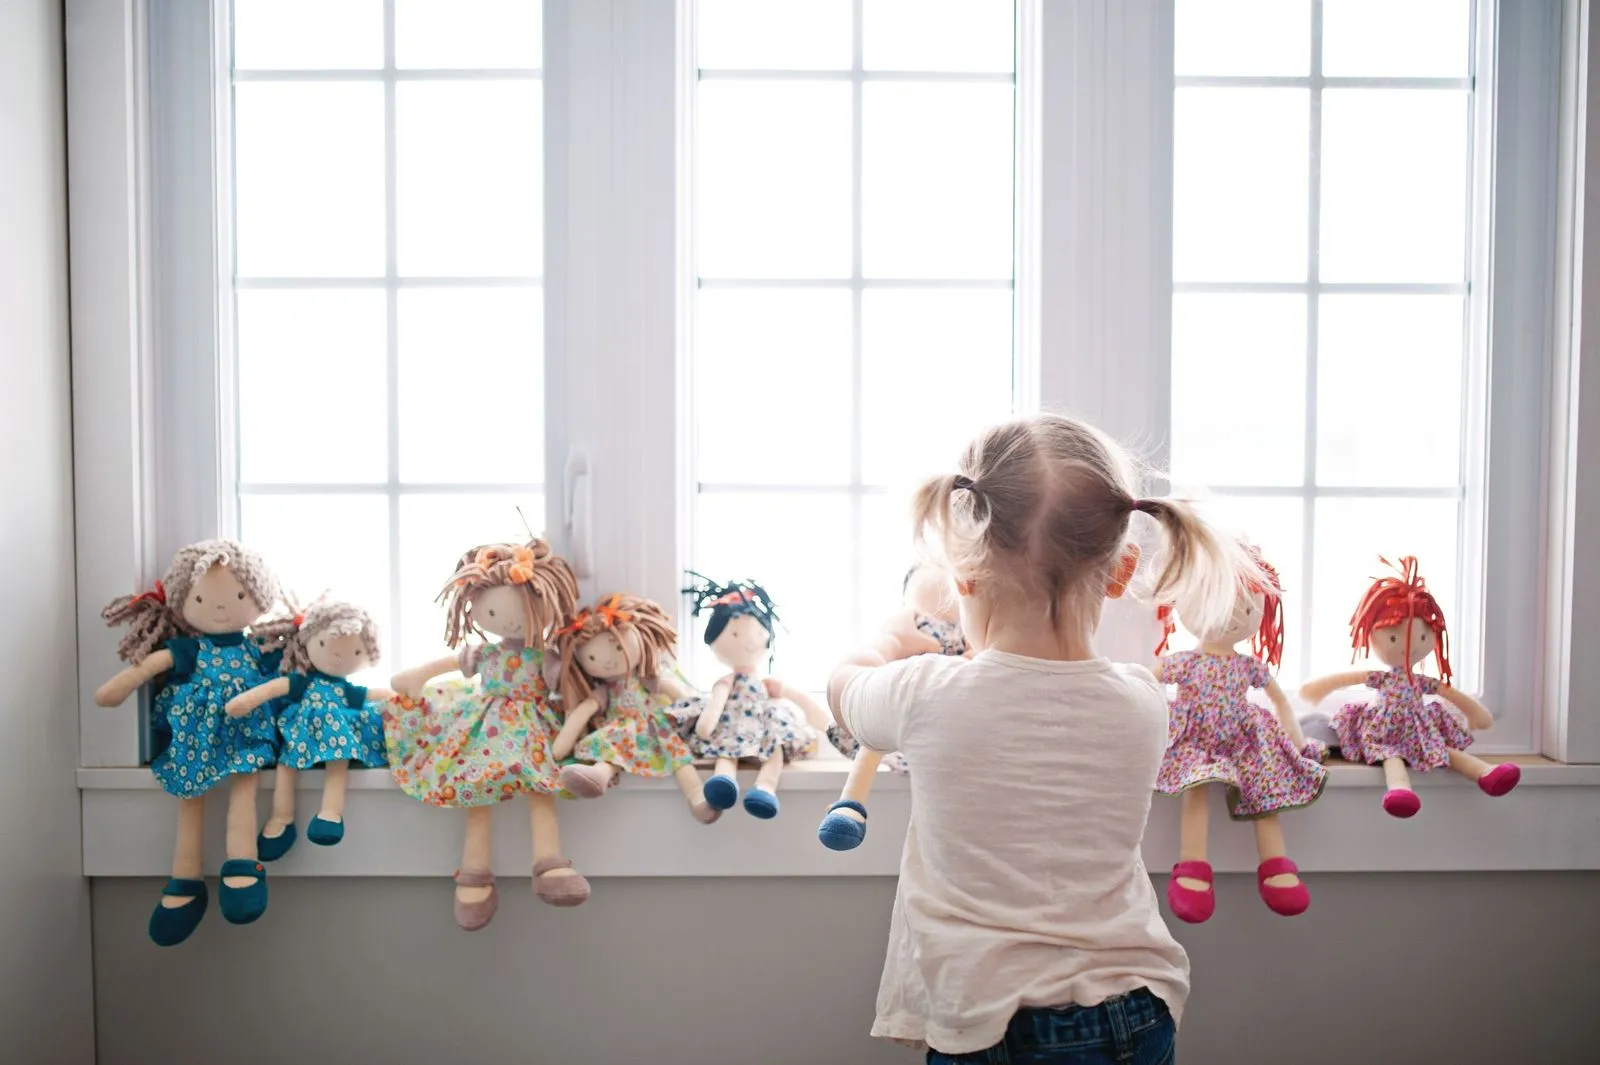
{"x":1022,"y":882}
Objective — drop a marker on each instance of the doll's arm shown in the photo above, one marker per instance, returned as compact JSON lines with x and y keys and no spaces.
{"x":116,"y":690}
{"x":1314,"y":691}
{"x":1280,"y":703}
{"x":819,"y":718}
{"x":1160,"y":670}
{"x":572,"y":728}
{"x":711,"y":716}
{"x":410,"y":681}
{"x":674,"y":689}
{"x":1478,"y":716}
{"x":381,"y":695}
{"x":246,"y":701}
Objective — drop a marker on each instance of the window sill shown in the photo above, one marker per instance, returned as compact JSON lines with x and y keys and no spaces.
{"x":1552,"y":821}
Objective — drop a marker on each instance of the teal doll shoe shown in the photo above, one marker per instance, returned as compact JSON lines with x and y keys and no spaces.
{"x":721,"y":792}
{"x":840,"y":832}
{"x":325,"y":833}
{"x":171,"y":925}
{"x":759,"y":802}
{"x":271,"y":848}
{"x":241,"y":905}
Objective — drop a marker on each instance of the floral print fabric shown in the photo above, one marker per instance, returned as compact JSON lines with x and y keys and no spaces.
{"x":1215,"y":734}
{"x":754,"y":724}
{"x":636,"y":734}
{"x":328,"y":719}
{"x":197,"y":745}
{"x":1400,"y":723}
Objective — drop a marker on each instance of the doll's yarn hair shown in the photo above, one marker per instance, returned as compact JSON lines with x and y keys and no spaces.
{"x":1395,"y":600}
{"x":729,"y":601}
{"x":620,"y":614}
{"x":156,"y":616}
{"x":325,"y":617}
{"x":1267,"y":643}
{"x":1040,"y":508}
{"x":546,"y":584}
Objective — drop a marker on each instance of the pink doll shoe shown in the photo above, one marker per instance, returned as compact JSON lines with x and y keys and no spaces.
{"x":558,"y":890}
{"x":472,"y":916}
{"x":1188,"y":904}
{"x":585,"y":781}
{"x":1401,"y":802}
{"x":1501,"y":779}
{"x":1288,"y":901}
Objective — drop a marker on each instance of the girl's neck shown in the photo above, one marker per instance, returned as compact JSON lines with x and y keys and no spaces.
{"x":1032,"y":637}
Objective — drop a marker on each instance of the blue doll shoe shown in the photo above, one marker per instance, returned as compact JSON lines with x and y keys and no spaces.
{"x":324,"y":833}
{"x":241,"y":905}
{"x":171,"y":925}
{"x":271,"y":848}
{"x":721,"y":792}
{"x":840,"y":833}
{"x":759,"y":802}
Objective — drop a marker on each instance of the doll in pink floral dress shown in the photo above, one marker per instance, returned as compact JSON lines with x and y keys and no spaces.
{"x":1216,"y":735}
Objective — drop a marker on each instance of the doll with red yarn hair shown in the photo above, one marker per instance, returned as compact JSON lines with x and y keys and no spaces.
{"x":1216,"y":735}
{"x":1400,"y":623}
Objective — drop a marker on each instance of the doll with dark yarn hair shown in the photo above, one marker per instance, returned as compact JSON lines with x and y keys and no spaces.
{"x":186,"y":638}
{"x":745,"y":716}
{"x":324,"y":721}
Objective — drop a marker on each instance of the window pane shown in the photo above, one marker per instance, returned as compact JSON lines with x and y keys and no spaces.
{"x":771,"y":369}
{"x":1394,"y":185}
{"x":1351,"y":534}
{"x":1238,"y":382}
{"x":1243,"y":38}
{"x":308,"y":166}
{"x":271,"y":34}
{"x":1241,"y":167}
{"x":486,"y":347}
{"x":935,"y":370}
{"x":772,"y":179}
{"x":470,"y":184}
{"x":1389,"y":375}
{"x":887,"y":552}
{"x":1387,"y":38}
{"x":485,"y":34}
{"x":943,"y":35}
{"x":773,"y":34}
{"x":312,"y":372}
{"x":936,"y":180}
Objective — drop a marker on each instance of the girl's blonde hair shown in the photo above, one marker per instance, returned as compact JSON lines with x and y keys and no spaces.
{"x":325,"y":617}
{"x":156,"y":616}
{"x":1042,"y":505}
{"x":621,"y":614}
{"x":547,"y":585}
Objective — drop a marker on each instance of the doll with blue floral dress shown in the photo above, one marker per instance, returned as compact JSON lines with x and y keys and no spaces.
{"x":187,"y":639}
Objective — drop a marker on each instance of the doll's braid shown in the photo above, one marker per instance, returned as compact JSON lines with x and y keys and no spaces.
{"x":156,"y":616}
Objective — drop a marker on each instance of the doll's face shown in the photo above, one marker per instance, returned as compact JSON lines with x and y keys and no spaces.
{"x":1389,"y":644}
{"x":1247,"y":610}
{"x":338,"y":656}
{"x":499,"y":611}
{"x":606,"y":656}
{"x":931,"y":591}
{"x":742,"y":644}
{"x":218,"y":603}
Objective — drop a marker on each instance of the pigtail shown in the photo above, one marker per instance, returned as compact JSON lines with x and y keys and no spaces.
{"x":1204,"y":571}
{"x":1267,"y":643}
{"x":150,"y":619}
{"x":949,"y":513}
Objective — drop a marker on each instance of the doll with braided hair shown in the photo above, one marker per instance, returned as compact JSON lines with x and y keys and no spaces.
{"x":746,"y":715}
{"x":324,"y":721}
{"x":1400,"y":623}
{"x":187,"y":639}
{"x":473,"y":743}
{"x":613,"y":663}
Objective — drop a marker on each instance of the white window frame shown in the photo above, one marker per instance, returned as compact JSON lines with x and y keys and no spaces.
{"x":616,"y":287}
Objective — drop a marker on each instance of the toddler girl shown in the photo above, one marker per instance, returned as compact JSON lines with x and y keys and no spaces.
{"x":1025,"y":923}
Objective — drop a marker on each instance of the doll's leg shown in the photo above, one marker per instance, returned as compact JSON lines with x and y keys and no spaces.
{"x":554,"y":879}
{"x":188,"y":851}
{"x":688,"y":778}
{"x":762,"y":799}
{"x":475,"y":853}
{"x":241,"y":837}
{"x":1399,"y":800}
{"x":1192,"y":836}
{"x":184,"y":898}
{"x":844,"y":827}
{"x":327,"y":828}
{"x":282,"y":815}
{"x":1277,"y":878}
{"x":1493,"y":780}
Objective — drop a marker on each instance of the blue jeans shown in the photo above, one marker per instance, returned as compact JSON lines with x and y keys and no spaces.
{"x":1131,"y":1029}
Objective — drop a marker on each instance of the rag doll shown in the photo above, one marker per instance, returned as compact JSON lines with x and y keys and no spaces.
{"x":1399,"y":623}
{"x":1216,"y":735}
{"x":469,"y":744}
{"x":927,"y":601}
{"x":324,"y":721}
{"x":612,"y":660}
{"x":186,"y":638}
{"x":746,"y":715}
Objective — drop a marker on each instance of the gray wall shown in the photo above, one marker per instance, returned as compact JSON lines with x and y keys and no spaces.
{"x":1402,"y":969}
{"x":46,"y":1013}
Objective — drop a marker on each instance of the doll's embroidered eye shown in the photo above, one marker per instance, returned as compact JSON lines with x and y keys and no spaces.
{"x":322,"y":643}
{"x":199,"y":599}
{"x":241,"y":595}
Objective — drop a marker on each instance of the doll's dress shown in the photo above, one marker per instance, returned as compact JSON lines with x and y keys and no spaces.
{"x":328,"y":719}
{"x":1215,"y":734}
{"x":1400,"y":723}
{"x":951,"y":642}
{"x":635,"y":733}
{"x":754,"y":724}
{"x":479,"y":740}
{"x":196,"y":743}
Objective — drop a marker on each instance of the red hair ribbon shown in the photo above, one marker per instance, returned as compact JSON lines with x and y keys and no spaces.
{"x":734,"y":598}
{"x":159,"y":594}
{"x":1168,"y":627}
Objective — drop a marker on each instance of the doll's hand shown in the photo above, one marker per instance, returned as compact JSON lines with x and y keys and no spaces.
{"x":406,"y":683}
{"x":115,"y":691}
{"x":237,"y":707}
{"x":563,"y":748}
{"x":900,"y":638}
{"x":706,"y":725}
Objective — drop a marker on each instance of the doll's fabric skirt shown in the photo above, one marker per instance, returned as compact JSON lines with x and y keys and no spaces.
{"x":198,"y":745}
{"x":1420,"y":735}
{"x":845,"y":742}
{"x":644,"y":743}
{"x":315,"y":731}
{"x":1247,"y":749}
{"x":758,"y":729}
{"x":456,"y":746}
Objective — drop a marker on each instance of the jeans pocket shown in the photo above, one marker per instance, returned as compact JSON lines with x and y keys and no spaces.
{"x":1158,"y":1044}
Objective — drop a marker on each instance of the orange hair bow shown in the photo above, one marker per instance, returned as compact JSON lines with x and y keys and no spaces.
{"x":610,"y":614}
{"x":733,"y":598}
{"x":521,"y":571}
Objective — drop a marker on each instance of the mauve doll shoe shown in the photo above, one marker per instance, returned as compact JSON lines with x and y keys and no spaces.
{"x":585,"y":781}
{"x":472,"y":916}
{"x":558,"y":890}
